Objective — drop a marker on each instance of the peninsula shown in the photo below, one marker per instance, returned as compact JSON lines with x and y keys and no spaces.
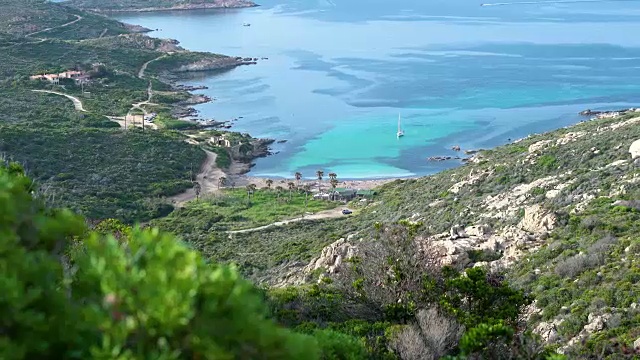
{"x":158,"y":5}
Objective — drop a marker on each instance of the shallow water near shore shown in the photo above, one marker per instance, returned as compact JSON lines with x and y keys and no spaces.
{"x":339,"y":72}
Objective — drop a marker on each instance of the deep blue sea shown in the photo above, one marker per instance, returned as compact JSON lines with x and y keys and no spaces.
{"x":340,"y":71}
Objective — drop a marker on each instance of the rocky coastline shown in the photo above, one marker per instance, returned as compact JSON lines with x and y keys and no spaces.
{"x":606,"y":114}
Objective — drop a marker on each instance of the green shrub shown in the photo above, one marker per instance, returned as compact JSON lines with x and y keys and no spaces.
{"x":147,"y":297}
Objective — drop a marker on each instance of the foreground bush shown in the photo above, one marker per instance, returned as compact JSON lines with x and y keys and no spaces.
{"x":143,"y":296}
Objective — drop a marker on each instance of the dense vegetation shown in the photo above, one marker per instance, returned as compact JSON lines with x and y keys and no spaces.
{"x":33,"y":17}
{"x":84,"y":161}
{"x":105,"y":173}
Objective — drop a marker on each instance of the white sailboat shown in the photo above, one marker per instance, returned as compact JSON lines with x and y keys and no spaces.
{"x":400,"y":132}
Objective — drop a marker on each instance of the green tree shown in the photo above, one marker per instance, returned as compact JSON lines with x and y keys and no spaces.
{"x":222,"y":181}
{"x":319,"y":175}
{"x":298,"y":176}
{"x":279,"y":190}
{"x":251,"y":188}
{"x":291,"y":186}
{"x":478,"y":296}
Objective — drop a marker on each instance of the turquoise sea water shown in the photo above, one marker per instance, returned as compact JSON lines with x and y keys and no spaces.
{"x":340,"y":71}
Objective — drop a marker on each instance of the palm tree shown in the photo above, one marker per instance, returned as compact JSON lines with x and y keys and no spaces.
{"x":333,"y":176}
{"x":298,"y":176}
{"x":269,"y":183}
{"x":279,"y":190}
{"x":307,"y":190}
{"x":291,"y":186}
{"x":250,"y":189}
{"x":197,"y":189}
{"x":222,"y":181}
{"x":334,"y":183}
{"x":319,"y":174}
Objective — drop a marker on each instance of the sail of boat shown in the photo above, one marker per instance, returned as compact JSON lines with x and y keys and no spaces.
{"x":400,"y":132}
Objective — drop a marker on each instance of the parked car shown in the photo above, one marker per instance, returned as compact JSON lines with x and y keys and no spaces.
{"x":347,"y":212}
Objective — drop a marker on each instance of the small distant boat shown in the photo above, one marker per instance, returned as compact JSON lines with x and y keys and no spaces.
{"x":246,"y":24}
{"x":400,"y":132}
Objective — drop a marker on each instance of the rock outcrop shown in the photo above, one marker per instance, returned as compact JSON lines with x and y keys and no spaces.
{"x":634,"y":149}
{"x":332,"y":257}
{"x":548,"y":330}
{"x":537,"y":220}
{"x":595,"y":323}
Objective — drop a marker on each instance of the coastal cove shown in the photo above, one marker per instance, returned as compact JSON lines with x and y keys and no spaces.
{"x":338,"y":74}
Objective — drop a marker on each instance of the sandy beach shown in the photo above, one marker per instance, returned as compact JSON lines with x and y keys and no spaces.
{"x":236,"y":176}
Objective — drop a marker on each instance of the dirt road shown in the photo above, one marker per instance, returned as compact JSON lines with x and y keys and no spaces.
{"x":76,"y":102}
{"x":208,"y":179}
{"x":328,"y":214}
{"x":144,"y":66}
{"x":78,"y":18}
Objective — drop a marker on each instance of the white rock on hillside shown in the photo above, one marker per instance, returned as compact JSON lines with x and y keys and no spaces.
{"x":636,"y":344}
{"x":596,"y":323}
{"x":537,"y":220}
{"x":634,"y":149}
{"x":332,"y":257}
{"x":570,"y":137}
{"x":548,"y":330}
{"x":537,"y":146}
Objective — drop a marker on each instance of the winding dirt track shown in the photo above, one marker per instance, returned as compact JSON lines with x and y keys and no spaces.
{"x":78,"y":18}
{"x":327,"y":214}
{"x":144,"y":66}
{"x":76,"y":102}
{"x":207,"y":177}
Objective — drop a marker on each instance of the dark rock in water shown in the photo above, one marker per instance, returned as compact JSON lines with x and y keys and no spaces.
{"x":470,"y":152}
{"x":455,"y":148}
{"x":589,"y":112}
{"x":282,"y":141}
{"x":439,"y":158}
{"x":265,"y":58}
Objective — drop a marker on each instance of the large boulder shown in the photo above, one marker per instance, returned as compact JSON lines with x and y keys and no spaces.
{"x":548,"y":331}
{"x":596,"y":323}
{"x":634,"y":149}
{"x":537,"y":220}
{"x":457,"y":232}
{"x":540,"y":145}
{"x":332,"y":257}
